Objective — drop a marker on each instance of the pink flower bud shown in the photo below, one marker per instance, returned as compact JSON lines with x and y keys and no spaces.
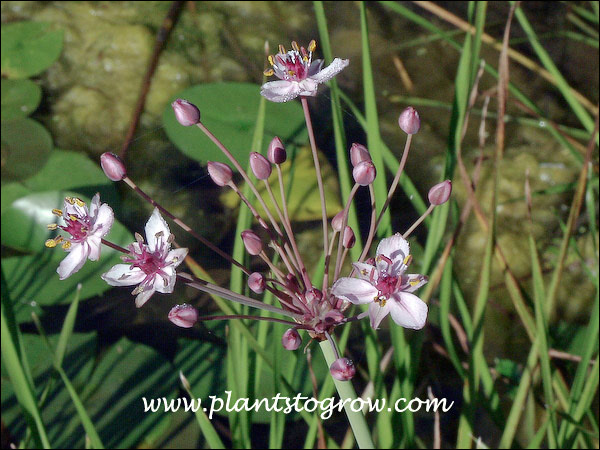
{"x":186,"y":113}
{"x":257,"y":282}
{"x":440,"y":193}
{"x":276,"y":152}
{"x":364,"y":172}
{"x":184,"y":316}
{"x":338,"y":221}
{"x":291,"y":339}
{"x":252,"y":242}
{"x":409,"y":121}
{"x":359,"y":153}
{"x":313,"y":295}
{"x":342,"y":369}
{"x":349,"y":238}
{"x":261,"y":167}
{"x":113,"y":166}
{"x":220,"y":173}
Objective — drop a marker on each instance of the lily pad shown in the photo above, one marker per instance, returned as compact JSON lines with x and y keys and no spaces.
{"x":302,"y":191}
{"x":19,"y":98}
{"x":26,"y":146}
{"x":229,"y":111}
{"x":29,"y":48}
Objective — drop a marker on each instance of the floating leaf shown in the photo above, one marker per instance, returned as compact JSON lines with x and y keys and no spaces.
{"x":229,"y":111}
{"x":302,"y":196}
{"x":26,"y":146}
{"x":19,"y":98}
{"x":29,"y":48}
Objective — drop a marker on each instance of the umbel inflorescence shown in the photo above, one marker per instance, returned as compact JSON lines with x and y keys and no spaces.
{"x":381,"y":282}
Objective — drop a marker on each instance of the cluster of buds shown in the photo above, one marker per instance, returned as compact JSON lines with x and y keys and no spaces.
{"x":379,"y":282}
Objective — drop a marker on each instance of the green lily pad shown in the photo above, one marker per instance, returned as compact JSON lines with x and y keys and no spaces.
{"x":19,"y":98}
{"x":26,"y":146}
{"x":229,"y":111}
{"x":29,"y":48}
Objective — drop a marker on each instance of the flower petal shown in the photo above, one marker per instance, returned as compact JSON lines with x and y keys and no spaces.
{"x":104,"y":220}
{"x":308,"y":87}
{"x":363,"y":271}
{"x":123,"y":275}
{"x":315,"y":67}
{"x":94,"y":244}
{"x":74,"y":260}
{"x":408,"y":310}
{"x":157,"y":230}
{"x":377,"y":313}
{"x":176,"y":256}
{"x":336,"y":66}
{"x":143,"y":297}
{"x":395,"y":248}
{"x":169,"y":286}
{"x":354,"y":290}
{"x":280,"y":91}
{"x":414,"y":281}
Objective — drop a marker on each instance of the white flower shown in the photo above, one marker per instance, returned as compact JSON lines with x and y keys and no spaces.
{"x":298,"y":73}
{"x":86,"y":227}
{"x":384,"y":286}
{"x":151,"y":266}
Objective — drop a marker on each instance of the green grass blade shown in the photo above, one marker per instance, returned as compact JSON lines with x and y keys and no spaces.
{"x":374,"y":141}
{"x":13,"y":355}
{"x":563,"y":86}
{"x":208,"y":431}
{"x":67,"y":330}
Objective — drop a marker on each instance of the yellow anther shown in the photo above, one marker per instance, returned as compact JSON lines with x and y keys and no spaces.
{"x":66,"y":245}
{"x":69,"y":200}
{"x":52,"y":226}
{"x":79,"y":202}
{"x":271,"y":60}
{"x":295,"y":46}
{"x":407,"y":260}
{"x":382,"y":302}
{"x":414,"y":282}
{"x":50,"y":243}
{"x":57,"y":212}
{"x":282,"y":49}
{"x":312,"y":45}
{"x":269,"y":72}
{"x":364,"y":272}
{"x":73,"y":217}
{"x":291,"y":73}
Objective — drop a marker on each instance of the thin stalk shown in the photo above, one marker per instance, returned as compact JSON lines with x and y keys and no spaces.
{"x":213,"y":289}
{"x":313,"y":146}
{"x":184,"y":226}
{"x":418,"y":222}
{"x":342,"y":233}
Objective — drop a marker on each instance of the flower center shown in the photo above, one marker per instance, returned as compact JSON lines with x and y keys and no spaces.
{"x":291,"y":65}
{"x":386,"y":285}
{"x":150,"y":263}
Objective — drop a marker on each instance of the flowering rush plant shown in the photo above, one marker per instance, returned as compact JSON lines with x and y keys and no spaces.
{"x":152,"y":264}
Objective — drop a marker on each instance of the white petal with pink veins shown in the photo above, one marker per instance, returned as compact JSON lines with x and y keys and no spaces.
{"x":395,"y":248}
{"x":280,"y":91}
{"x":354,"y":290}
{"x":157,"y":230}
{"x":74,"y":261}
{"x":331,"y":70}
{"x":377,"y":313}
{"x":408,"y":310}
{"x":123,"y":275}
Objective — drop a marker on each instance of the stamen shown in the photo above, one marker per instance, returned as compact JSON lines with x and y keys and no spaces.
{"x":73,"y":217}
{"x":70,"y":200}
{"x":271,"y":60}
{"x":52,"y":226}
{"x":295,"y":46}
{"x":312,"y":45}
{"x":269,"y":72}
{"x":66,"y":245}
{"x":282,"y":49}
{"x":139,"y":238}
{"x":57,"y":212}
{"x":79,"y":202}
{"x":50,"y":243}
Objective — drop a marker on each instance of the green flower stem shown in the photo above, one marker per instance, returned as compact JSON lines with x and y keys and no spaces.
{"x":362,"y":434}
